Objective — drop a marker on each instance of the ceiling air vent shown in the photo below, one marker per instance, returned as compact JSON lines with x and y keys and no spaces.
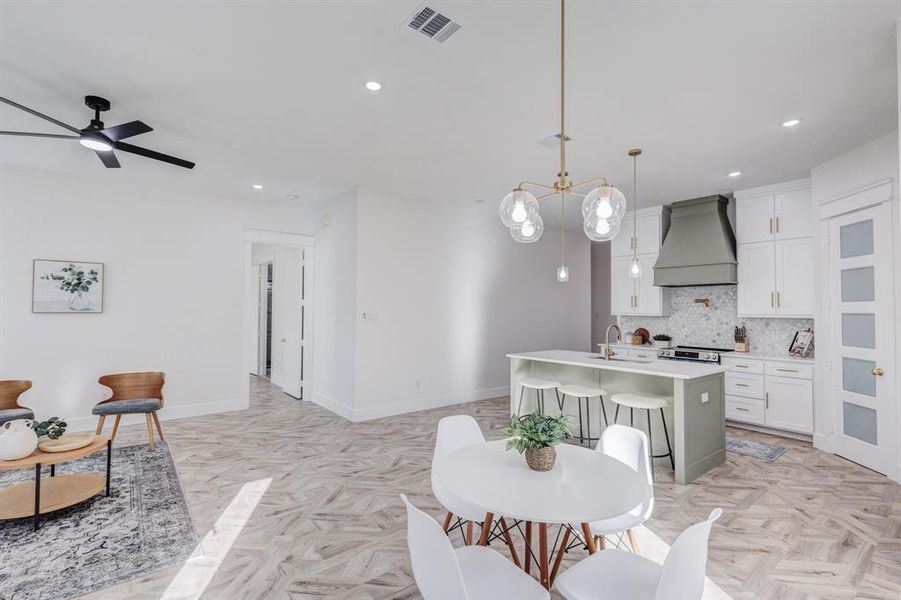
{"x":431,"y":23}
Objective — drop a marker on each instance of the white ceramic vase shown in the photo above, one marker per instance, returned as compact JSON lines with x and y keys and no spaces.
{"x":17,"y":440}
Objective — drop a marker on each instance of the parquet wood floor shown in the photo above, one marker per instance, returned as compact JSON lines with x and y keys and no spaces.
{"x":330,"y":523}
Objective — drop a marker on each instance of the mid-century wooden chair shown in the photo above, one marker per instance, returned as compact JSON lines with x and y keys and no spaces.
{"x":10,"y":409}
{"x":133,"y":393}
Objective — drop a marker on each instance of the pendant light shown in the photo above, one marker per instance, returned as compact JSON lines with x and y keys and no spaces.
{"x":635,"y":268}
{"x":562,"y":270}
{"x":603,"y":206}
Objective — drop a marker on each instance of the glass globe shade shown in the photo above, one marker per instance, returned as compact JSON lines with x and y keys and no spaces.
{"x":635,"y":269}
{"x":605,"y":202}
{"x":517,"y":207}
{"x":601,"y":230}
{"x":528,"y":231}
{"x":562,"y":273}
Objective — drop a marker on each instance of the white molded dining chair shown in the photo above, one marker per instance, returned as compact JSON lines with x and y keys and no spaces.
{"x":629,"y":446}
{"x":467,"y":573}
{"x":454,"y":433}
{"x":616,"y":575}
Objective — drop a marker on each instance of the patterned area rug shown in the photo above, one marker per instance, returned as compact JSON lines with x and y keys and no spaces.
{"x":761,"y":450}
{"x":143,"y":526}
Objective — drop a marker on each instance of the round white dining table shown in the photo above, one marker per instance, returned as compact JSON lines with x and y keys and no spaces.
{"x":583,"y":486}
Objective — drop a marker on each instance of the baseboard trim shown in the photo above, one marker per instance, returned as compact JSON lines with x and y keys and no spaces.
{"x":329,"y":404}
{"x":409,"y":406}
{"x":802,"y":437}
{"x":168,"y":413}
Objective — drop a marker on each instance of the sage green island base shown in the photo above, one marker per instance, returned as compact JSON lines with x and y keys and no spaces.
{"x":695,"y":419}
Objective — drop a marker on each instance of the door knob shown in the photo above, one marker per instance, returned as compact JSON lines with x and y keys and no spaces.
{"x":878,"y":372}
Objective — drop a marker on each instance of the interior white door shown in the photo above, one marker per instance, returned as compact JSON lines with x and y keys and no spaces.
{"x":622,"y":287}
{"x":794,"y":277}
{"x":290,"y":282}
{"x":754,"y":218}
{"x":757,"y":277}
{"x":861,"y":321}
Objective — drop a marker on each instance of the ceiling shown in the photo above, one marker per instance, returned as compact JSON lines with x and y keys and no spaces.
{"x":273,"y":92}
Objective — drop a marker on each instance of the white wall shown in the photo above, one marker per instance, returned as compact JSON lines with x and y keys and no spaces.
{"x":861,"y":167}
{"x":600,"y":292}
{"x":173,"y":290}
{"x":449,"y":294}
{"x":334,"y":304}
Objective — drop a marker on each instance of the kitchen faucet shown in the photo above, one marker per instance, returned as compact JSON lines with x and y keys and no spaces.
{"x":608,"y":353}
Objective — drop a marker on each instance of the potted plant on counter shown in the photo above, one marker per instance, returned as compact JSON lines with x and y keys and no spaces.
{"x":535,"y":435}
{"x":661,"y":340}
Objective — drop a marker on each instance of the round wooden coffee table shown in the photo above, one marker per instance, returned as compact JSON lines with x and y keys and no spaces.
{"x":33,"y":499}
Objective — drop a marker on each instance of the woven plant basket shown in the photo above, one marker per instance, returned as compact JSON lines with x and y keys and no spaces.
{"x":541,"y":459}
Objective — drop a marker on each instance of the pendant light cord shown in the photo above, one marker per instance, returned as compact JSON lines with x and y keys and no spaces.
{"x":635,"y":197}
{"x":562,"y":90}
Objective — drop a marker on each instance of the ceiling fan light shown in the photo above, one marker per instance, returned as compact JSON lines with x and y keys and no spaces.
{"x":95,"y":144}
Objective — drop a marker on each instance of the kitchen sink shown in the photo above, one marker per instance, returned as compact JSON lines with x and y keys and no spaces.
{"x":623,"y":360}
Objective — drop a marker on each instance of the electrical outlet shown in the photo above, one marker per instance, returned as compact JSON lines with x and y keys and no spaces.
{"x":705,"y":397}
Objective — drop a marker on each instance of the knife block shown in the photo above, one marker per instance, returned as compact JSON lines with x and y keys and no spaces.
{"x":743,"y":346}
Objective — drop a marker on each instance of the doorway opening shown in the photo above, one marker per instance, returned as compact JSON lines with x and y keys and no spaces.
{"x":278,"y":325}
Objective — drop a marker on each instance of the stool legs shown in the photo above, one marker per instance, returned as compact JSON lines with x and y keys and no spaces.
{"x":603,"y":410}
{"x":522,"y":390}
{"x":651,"y":455}
{"x":669,"y":449}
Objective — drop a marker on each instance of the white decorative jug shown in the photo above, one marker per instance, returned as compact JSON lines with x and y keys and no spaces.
{"x":18,"y":439}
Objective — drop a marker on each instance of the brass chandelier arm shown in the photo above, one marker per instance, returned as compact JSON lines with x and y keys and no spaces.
{"x":538,"y":185}
{"x":592,"y":180}
{"x":549,"y":194}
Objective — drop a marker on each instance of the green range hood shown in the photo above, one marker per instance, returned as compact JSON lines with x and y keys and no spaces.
{"x":700,"y":246}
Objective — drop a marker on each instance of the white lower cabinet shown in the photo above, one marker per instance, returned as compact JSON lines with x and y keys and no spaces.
{"x":770,"y":393}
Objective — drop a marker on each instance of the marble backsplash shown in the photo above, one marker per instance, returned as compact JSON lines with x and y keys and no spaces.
{"x":693,"y":324}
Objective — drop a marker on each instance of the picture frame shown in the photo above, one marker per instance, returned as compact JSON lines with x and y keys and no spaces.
{"x":66,"y":286}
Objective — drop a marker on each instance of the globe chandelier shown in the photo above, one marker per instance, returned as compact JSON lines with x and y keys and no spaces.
{"x":603,"y":206}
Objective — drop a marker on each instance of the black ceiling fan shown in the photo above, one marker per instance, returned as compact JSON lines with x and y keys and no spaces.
{"x":102,"y":140}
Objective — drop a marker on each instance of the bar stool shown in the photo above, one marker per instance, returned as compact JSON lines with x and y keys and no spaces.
{"x":539,"y":385}
{"x":648,"y":403}
{"x":587,"y":392}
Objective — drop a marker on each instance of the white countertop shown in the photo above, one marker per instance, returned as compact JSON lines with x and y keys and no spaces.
{"x":675,"y":369}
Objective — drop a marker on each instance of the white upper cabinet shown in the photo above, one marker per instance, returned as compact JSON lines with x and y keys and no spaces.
{"x":754,"y":219}
{"x":793,"y":215}
{"x":774,"y":235}
{"x":756,"y":279}
{"x":648,"y":240}
{"x":639,"y":296}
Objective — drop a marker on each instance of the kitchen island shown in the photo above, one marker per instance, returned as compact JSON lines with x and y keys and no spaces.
{"x":695,"y":417}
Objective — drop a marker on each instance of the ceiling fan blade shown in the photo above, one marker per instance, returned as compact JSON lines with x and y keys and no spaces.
{"x":37,"y":114}
{"x":108,"y":159}
{"x":154,"y":155}
{"x":120,"y":132}
{"x":42,"y":135}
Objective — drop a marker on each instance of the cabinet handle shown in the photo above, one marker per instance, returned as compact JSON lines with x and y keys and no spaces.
{"x":772,"y":299}
{"x":742,"y":409}
{"x":771,"y":225}
{"x":878,"y":372}
{"x":766,"y":400}
{"x":741,"y":366}
{"x":741,"y":384}
{"x":787,"y":370}
{"x":778,"y":299}
{"x":777,"y":224}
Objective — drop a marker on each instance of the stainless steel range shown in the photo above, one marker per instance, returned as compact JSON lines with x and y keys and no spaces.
{"x":693,"y":353}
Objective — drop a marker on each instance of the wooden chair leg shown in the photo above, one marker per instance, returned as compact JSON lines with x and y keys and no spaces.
{"x":633,"y":541}
{"x":100,"y":425}
{"x":159,"y":428}
{"x":528,"y":545}
{"x":469,"y":533}
{"x":150,"y":432}
{"x":115,"y":429}
{"x":447,"y":519}
{"x":509,"y":539}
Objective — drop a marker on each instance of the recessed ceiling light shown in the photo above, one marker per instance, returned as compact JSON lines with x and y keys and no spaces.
{"x":734,"y":173}
{"x":258,"y":186}
{"x":373,"y":86}
{"x":791,"y":122}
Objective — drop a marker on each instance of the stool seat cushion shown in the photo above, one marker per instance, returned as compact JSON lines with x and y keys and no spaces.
{"x":127,"y":407}
{"x":582,"y":391}
{"x":539,"y":384}
{"x":13,"y":414}
{"x":639,"y":401}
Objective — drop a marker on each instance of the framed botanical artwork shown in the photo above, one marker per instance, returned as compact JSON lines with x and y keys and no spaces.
{"x":67,"y":286}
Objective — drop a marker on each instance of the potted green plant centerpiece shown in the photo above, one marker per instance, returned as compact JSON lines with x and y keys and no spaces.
{"x":661,"y":340}
{"x":535,"y":435}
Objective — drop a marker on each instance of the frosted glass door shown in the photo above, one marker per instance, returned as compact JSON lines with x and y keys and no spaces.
{"x":861,"y":330}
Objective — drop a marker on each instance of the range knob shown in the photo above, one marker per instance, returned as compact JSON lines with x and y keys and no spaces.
{"x":707,"y":356}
